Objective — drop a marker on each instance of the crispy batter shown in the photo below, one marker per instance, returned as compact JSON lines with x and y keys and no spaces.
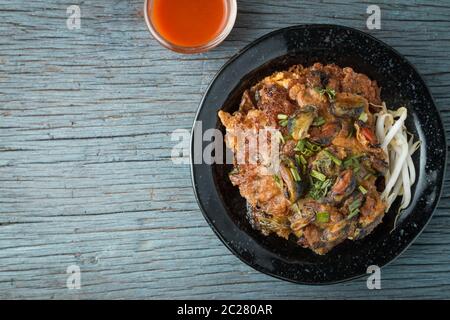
{"x":324,"y":189}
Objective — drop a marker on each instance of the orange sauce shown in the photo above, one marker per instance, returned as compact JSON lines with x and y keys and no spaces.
{"x":188,"y":23}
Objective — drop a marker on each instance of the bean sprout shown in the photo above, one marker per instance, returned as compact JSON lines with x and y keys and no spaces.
{"x":401,"y":173}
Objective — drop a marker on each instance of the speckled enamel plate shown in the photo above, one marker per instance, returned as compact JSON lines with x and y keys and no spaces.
{"x":225,"y":209}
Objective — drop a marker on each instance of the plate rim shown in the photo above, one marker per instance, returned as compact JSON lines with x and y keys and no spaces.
{"x":258,"y":40}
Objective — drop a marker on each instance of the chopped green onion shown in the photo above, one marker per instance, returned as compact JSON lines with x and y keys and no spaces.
{"x":352,"y":162}
{"x":306,"y":148}
{"x":297,"y":159}
{"x":322,"y":217}
{"x":354,"y":205}
{"x":318,"y":175}
{"x":300,"y":145}
{"x":318,"y":122}
{"x":299,"y":163}
{"x":333,"y":157}
{"x":296,"y":208}
{"x":352,"y":214}
{"x":283,"y":123}
{"x":353,"y":208}
{"x":351,"y":132}
{"x":367,"y":176}
{"x":312,"y":146}
{"x":363,"y":117}
{"x":295,"y":174}
{"x":282,"y":116}
{"x":348,"y":163}
{"x":278,"y":181}
{"x":329,"y":91}
{"x":289,"y":162}
{"x":319,"y":189}
{"x":326,"y":184}
{"x":303,"y":160}
{"x":362,"y":189}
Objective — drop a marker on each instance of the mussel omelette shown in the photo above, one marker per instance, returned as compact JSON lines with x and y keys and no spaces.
{"x":342,"y":155}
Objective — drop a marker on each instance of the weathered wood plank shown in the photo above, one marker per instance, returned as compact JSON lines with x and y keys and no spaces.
{"x":85,"y":171}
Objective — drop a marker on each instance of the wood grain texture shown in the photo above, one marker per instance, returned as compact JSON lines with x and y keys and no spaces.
{"x":85,"y":138}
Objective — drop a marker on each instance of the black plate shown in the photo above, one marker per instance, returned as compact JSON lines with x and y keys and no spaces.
{"x":225,"y":209}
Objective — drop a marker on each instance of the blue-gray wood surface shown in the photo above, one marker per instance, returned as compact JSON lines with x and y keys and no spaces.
{"x":85,"y":139}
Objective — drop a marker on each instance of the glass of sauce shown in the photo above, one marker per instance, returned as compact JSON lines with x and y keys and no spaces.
{"x":190,"y":26}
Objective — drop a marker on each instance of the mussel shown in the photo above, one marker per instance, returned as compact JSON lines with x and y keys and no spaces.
{"x":322,"y":78}
{"x":323,"y":163}
{"x":344,"y":186}
{"x":325,"y":134}
{"x":303,"y":215}
{"x":353,"y":202}
{"x":348,"y":105}
{"x":374,"y":163}
{"x":337,"y":232}
{"x":372,"y":213}
{"x":298,"y":126}
{"x":295,"y":185}
{"x":268,"y":224}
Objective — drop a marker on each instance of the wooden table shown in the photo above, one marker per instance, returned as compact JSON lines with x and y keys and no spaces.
{"x":86,"y":117}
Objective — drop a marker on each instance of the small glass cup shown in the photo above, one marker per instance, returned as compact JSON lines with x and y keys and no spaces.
{"x":228,"y":26}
